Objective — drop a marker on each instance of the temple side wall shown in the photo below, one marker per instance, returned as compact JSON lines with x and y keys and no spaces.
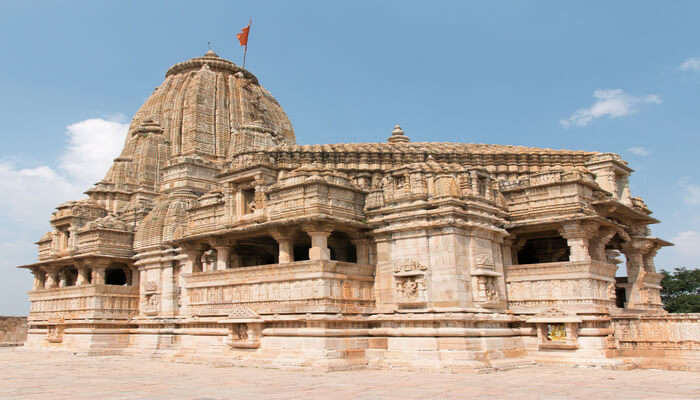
{"x":13,"y":330}
{"x":665,"y":341}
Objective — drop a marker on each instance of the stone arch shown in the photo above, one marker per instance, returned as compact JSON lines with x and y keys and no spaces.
{"x":68,"y":275}
{"x":341,"y":247}
{"x":118,"y":275}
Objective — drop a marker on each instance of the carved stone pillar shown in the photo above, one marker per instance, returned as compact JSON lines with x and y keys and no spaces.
{"x":222,"y":255}
{"x":319,"y":242}
{"x":286,"y":247}
{"x":635,"y":262}
{"x":362,"y":250}
{"x":516,"y":246}
{"x":578,"y":235}
{"x":635,"y":250}
{"x":599,"y":241}
{"x":168,"y":292}
{"x":39,"y":279}
{"x":193,"y":262}
{"x":62,"y":278}
{"x":98,"y":274}
{"x":51,"y":279}
{"x":83,"y":274}
{"x":135,"y":276}
{"x":207,"y":261}
{"x":507,"y":251}
{"x":649,"y":264}
{"x":635,"y":276}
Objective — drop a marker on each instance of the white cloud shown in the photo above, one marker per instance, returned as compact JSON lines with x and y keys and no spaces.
{"x":34,"y":193}
{"x":613,"y":103}
{"x":639,"y":151}
{"x":92,"y":144}
{"x":687,"y":247}
{"x":691,"y":64}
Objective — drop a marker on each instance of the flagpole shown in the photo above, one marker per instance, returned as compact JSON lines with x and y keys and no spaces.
{"x":245,"y":51}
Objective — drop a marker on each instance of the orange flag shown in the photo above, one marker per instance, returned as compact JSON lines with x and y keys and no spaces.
{"x":243,"y":36}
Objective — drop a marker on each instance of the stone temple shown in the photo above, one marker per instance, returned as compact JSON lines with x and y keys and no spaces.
{"x":214,"y":236}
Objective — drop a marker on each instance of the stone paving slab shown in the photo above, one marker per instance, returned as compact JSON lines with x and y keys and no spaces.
{"x":28,"y":374}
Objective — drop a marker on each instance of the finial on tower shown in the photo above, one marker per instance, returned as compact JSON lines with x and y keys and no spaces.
{"x":210,"y":53}
{"x":397,"y":135}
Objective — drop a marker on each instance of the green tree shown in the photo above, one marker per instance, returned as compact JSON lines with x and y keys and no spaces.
{"x":680,"y":291}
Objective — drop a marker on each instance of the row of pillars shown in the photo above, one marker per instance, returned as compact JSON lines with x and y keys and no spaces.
{"x":319,"y":249}
{"x":319,"y":246}
{"x":51,"y":277}
{"x":587,"y":241}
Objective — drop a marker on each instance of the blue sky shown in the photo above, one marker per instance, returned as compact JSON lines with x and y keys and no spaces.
{"x":619,"y":77}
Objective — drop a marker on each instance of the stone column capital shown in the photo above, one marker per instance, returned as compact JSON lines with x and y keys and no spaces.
{"x":606,"y":233}
{"x":221,"y":242}
{"x":319,"y":242}
{"x":317,"y":229}
{"x":578,"y":229}
{"x":639,"y":245}
{"x":281,"y":234}
{"x":192,"y":248}
{"x":99,"y":267}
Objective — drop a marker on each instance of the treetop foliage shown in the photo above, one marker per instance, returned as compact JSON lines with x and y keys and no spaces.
{"x":680,"y":291}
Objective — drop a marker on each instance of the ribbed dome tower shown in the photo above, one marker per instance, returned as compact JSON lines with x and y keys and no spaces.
{"x":203,"y":101}
{"x":207,"y":107}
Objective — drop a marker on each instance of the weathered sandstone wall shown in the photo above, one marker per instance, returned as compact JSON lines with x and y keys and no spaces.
{"x":13,"y":330}
{"x":666,"y":341}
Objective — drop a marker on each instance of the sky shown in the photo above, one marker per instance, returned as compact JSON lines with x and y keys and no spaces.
{"x":620,"y":77}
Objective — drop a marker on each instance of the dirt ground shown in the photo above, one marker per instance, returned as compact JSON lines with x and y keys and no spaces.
{"x":56,"y":375}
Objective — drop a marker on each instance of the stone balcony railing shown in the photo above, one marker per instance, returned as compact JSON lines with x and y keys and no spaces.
{"x":580,"y":286}
{"x":84,"y":302}
{"x":297,"y":287}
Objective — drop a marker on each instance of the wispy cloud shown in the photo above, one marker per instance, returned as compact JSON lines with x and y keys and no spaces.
{"x":612,"y":103}
{"x":639,"y":151}
{"x":92,"y":144}
{"x":691,"y":192}
{"x":691,"y":64}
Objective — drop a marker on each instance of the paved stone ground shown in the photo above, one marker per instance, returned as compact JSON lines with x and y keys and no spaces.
{"x":52,"y":375}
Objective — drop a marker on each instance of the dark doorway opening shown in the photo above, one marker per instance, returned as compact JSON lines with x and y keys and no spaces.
{"x":115,"y":276}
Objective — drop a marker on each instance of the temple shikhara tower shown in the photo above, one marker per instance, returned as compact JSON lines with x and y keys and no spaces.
{"x":215,"y":236}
